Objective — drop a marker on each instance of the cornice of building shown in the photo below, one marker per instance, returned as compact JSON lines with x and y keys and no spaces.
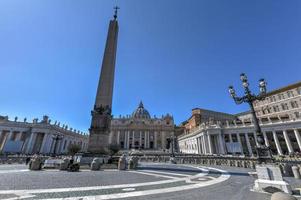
{"x":5,"y":122}
{"x":282,"y":89}
{"x":202,"y":128}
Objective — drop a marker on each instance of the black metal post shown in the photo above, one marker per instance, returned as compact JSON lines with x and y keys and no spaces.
{"x":263,"y":152}
{"x":172,"y":146}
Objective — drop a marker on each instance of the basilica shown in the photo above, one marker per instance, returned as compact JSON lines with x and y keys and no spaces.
{"x":141,"y":131}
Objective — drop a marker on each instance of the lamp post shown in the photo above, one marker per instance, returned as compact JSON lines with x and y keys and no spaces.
{"x":263,"y":152}
{"x":56,"y":138}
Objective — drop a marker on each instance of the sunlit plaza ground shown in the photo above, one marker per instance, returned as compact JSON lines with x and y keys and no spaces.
{"x":149,"y":181}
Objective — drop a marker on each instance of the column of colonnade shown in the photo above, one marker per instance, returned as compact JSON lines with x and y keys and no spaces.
{"x":239,"y":141}
{"x":275,"y":135}
{"x":277,"y":143}
{"x":248,"y":144}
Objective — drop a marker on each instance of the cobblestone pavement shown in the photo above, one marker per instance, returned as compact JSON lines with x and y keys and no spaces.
{"x":150,"y":181}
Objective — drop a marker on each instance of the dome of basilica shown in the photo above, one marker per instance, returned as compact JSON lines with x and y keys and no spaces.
{"x":141,"y":112}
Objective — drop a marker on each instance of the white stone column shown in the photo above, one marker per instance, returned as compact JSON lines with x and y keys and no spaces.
{"x":133,"y":139}
{"x":288,"y":142}
{"x":230,"y":137}
{"x":125,"y":139}
{"x":110,"y":137}
{"x":2,"y":139}
{"x":255,"y":138}
{"x":118,"y":138}
{"x":42,"y":149}
{"x":5,"y":139}
{"x":266,"y":140}
{"x":209,"y":144}
{"x":148,"y":139}
{"x":297,"y":135}
{"x":205,"y":144}
{"x":128,"y":140}
{"x":145,"y":140}
{"x":198,"y":146}
{"x":163,"y":138}
{"x":30,"y":143}
{"x":248,"y":144}
{"x":155,"y":136}
{"x":202,"y":144}
{"x":59,"y":148}
{"x":221,"y":144}
{"x":140,"y":139}
{"x":279,"y":150}
{"x":239,"y":141}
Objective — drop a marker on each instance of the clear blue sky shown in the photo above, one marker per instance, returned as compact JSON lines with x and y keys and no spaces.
{"x":173,"y":55}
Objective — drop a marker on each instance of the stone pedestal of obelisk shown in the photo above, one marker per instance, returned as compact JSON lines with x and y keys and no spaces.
{"x":101,"y":113}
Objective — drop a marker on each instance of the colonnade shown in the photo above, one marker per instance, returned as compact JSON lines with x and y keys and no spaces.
{"x":210,"y":143}
{"x":29,"y":142}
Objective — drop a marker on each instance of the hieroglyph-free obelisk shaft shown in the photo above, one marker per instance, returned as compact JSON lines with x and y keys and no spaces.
{"x":101,"y":114}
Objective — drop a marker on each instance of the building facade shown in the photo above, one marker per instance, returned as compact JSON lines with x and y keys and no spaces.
{"x":202,"y":115}
{"x":279,"y":117}
{"x":141,"y":131}
{"x":281,"y":104}
{"x":38,"y":137}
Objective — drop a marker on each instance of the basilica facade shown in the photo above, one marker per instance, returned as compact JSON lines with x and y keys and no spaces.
{"x":141,"y":131}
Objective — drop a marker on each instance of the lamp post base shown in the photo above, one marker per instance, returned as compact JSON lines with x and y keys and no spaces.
{"x":264,"y":154}
{"x":270,"y":177}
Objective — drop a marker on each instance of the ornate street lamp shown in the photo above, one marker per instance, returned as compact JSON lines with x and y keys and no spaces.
{"x":56,"y":138}
{"x":263,"y":152}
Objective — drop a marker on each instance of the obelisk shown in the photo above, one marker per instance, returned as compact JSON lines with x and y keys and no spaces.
{"x":101,"y":113}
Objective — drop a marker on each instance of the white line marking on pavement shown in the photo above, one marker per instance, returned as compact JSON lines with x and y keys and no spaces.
{"x":103,"y":187}
{"x":13,"y":171}
{"x":128,"y":189}
{"x":222,"y":178}
{"x":168,"y":173}
{"x":153,"y":174}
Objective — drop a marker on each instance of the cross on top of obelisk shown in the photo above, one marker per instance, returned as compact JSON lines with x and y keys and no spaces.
{"x":116,"y":9}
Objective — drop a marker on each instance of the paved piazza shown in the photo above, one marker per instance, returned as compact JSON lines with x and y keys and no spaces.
{"x":150,"y":181}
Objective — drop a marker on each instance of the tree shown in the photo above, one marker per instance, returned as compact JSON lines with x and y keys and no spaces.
{"x":113,"y":148}
{"x":73,"y":149}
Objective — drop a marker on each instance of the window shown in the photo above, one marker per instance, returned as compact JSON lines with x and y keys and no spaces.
{"x":279,"y":96}
{"x":274,"y":98}
{"x":284,"y":106}
{"x":294,"y":104}
{"x":276,"y":108}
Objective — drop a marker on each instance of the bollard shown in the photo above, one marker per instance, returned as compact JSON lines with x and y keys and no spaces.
{"x":296,"y":172}
{"x":95,"y":165}
{"x":131,"y":164}
{"x":122,"y":163}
